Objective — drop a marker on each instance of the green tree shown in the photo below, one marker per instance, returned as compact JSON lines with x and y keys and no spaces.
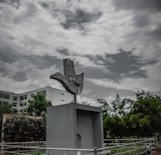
{"x":113,"y":114}
{"x":111,"y":122}
{"x":126,"y":117}
{"x":37,"y":105}
{"x":121,"y":106}
{"x":145,"y":115}
{"x":5,"y":108}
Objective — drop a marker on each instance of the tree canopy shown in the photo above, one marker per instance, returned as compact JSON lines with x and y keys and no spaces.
{"x":5,"y":108}
{"x":137,"y":118}
{"x":18,"y":128}
{"x":37,"y":105}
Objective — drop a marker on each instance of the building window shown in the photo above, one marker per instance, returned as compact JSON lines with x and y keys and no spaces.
{"x":0,"y":95}
{"x":25,"y":97}
{"x":21,"y":97}
{"x":25,"y":103}
{"x":62,"y":93}
{"x":6,"y":96}
{"x":21,"y":110}
{"x":21,"y":104}
{"x":62,"y":100}
{"x":14,"y":104}
{"x":15,"y":98}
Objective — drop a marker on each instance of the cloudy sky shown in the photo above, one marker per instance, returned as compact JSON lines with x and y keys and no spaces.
{"x":115,"y":42}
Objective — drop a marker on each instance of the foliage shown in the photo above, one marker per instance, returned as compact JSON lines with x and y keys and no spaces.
{"x":21,"y":129}
{"x":37,"y":105}
{"x":25,"y":128}
{"x":125,"y":117}
{"x":5,"y":108}
{"x":145,"y":115}
{"x":112,"y":116}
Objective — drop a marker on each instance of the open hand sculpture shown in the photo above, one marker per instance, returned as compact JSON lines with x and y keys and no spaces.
{"x":72,"y":82}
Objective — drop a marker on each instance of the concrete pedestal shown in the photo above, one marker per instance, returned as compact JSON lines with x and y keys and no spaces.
{"x":74,"y":126}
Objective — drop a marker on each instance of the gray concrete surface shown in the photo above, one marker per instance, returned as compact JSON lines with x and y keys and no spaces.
{"x":74,"y":126}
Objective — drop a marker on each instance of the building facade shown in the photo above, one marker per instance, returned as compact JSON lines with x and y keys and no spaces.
{"x":20,"y":101}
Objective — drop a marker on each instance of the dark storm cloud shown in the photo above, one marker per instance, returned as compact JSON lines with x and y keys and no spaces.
{"x":120,"y":65}
{"x":2,"y":1}
{"x":14,"y":3}
{"x":47,"y":5}
{"x":45,"y":61}
{"x":94,"y":73}
{"x":73,"y":19}
{"x":125,"y":64}
{"x":138,"y":4}
{"x":141,"y":19}
{"x":7,"y":56}
{"x":78,"y":18}
{"x":3,"y":71}
{"x":19,"y":76}
{"x":42,"y":62}
{"x":156,"y":33}
{"x":6,"y":1}
{"x":63,"y":51}
{"x":143,"y":10}
{"x":8,"y":51}
{"x":153,"y":35}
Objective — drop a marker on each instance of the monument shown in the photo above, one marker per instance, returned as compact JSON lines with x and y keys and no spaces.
{"x":73,"y":125}
{"x":72,"y":82}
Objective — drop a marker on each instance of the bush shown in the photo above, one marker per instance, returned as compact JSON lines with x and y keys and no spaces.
{"x":21,"y":129}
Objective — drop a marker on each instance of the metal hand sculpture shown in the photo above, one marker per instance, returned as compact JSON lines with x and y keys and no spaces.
{"x":72,"y":82}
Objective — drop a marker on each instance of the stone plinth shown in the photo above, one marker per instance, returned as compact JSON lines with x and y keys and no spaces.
{"x":74,"y":126}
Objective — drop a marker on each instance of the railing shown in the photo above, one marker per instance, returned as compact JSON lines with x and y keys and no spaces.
{"x":127,"y":146}
{"x":29,"y":150}
{"x":113,"y":147}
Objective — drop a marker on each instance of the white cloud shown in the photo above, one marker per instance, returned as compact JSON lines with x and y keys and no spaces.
{"x":36,"y":78}
{"x":87,"y":100}
{"x":33,"y":30}
{"x":36,"y":31}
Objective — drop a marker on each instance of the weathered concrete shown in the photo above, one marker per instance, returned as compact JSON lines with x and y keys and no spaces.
{"x":72,"y":82}
{"x":74,"y":126}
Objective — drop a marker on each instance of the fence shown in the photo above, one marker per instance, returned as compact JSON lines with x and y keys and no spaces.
{"x":127,"y":146}
{"x":113,"y":147}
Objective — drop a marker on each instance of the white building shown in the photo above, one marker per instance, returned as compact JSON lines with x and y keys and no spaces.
{"x":20,"y":101}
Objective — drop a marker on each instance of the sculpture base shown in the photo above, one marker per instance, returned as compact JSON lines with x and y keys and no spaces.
{"x":74,"y":126}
